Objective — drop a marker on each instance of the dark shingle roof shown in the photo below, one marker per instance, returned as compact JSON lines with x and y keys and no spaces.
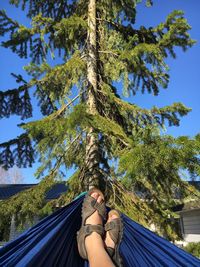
{"x":56,"y":191}
{"x":191,"y":205}
{"x":196,"y":184}
{"x":8,"y":190}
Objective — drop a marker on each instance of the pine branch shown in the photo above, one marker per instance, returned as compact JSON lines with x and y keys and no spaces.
{"x":109,"y":52}
{"x":59,"y":9}
{"x":130,"y":117}
{"x":64,"y":107}
{"x":17,"y":152}
{"x":141,"y":53}
{"x":144,"y":35}
{"x":62,"y":35}
{"x":16,"y":102}
{"x":7,"y":24}
{"x":64,"y":157}
{"x":58,"y":81}
{"x":47,"y":106}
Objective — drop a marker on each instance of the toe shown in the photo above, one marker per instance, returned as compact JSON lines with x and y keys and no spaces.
{"x":112,"y":217}
{"x":113,"y":214}
{"x":95,"y":195}
{"x":99,"y":199}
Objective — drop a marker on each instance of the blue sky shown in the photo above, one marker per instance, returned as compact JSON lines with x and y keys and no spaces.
{"x":184,"y":72}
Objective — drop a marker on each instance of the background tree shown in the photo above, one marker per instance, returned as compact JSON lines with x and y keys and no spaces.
{"x":87,"y":125}
{"x":3,"y":176}
{"x":12,"y":176}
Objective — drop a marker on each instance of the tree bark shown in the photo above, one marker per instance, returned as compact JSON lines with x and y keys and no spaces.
{"x":92,"y":148}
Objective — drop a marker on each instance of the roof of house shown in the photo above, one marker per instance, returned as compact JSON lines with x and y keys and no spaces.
{"x":9,"y":190}
{"x":196,"y":184}
{"x":188,"y":206}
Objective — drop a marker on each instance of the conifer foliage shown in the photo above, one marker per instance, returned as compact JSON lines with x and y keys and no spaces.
{"x":86,"y":123}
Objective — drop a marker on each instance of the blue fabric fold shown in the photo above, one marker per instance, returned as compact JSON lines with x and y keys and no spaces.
{"x":52,"y":242}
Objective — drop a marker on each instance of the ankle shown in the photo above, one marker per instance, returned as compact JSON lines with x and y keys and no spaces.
{"x":92,"y":241}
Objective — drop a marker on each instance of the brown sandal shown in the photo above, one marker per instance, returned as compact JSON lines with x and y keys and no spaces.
{"x":115,"y":228}
{"x":90,"y":205}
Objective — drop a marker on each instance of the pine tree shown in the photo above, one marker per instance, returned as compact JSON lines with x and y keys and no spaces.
{"x":112,"y":144}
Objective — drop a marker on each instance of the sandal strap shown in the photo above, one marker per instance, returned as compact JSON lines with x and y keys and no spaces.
{"x":88,"y":229}
{"x":114,"y":229}
{"x":90,"y":205}
{"x":101,"y":208}
{"x":85,"y":231}
{"x":110,"y":251}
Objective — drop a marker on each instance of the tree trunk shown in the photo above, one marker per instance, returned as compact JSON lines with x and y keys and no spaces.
{"x":92,"y":147}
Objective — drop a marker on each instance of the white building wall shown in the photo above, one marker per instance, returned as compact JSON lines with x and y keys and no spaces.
{"x":192,"y":238}
{"x":191,"y":225}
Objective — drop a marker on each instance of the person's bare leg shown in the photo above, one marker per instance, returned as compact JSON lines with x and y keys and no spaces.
{"x":97,"y":255}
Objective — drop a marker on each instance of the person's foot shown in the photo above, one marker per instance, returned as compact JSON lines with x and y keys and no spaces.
{"x":114,"y":233}
{"x":92,"y":230}
{"x":108,"y":240}
{"x":95,"y":218}
{"x":94,"y":239}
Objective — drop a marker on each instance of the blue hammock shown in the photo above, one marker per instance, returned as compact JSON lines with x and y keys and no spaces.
{"x":52,"y":242}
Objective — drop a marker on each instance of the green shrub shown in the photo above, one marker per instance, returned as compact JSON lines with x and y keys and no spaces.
{"x":193,"y":248}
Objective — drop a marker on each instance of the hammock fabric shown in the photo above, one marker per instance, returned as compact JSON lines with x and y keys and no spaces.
{"x":52,"y":242}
